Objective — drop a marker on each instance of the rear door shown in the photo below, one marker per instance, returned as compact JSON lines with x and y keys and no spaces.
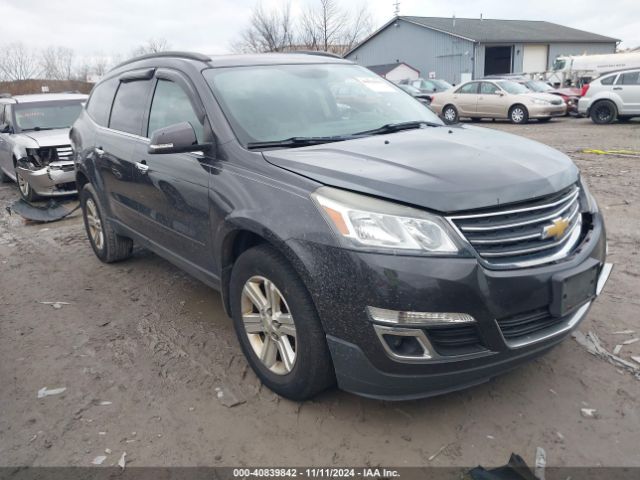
{"x":466,"y":99}
{"x":115,"y":145}
{"x":628,"y":88}
{"x":172,"y":189}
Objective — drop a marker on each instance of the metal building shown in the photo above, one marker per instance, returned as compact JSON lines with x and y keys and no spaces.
{"x":458,"y":49}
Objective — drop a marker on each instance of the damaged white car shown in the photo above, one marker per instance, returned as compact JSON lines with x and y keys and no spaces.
{"x":35,"y":150}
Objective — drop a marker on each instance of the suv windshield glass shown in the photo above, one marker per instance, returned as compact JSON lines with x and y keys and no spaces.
{"x":46,"y":115}
{"x":277,"y":102}
{"x":512,"y":87}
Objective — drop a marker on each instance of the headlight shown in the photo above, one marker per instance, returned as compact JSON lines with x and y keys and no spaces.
{"x":539,"y":101}
{"x":589,"y":200}
{"x":371,"y":224}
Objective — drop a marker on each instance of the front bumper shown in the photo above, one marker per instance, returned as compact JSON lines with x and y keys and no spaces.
{"x":545,"y":111}
{"x":343,"y":283}
{"x":58,"y":178}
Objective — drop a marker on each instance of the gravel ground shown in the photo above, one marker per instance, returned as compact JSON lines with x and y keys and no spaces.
{"x":156,"y":344}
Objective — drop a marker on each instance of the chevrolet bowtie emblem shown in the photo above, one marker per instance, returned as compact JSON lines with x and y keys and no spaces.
{"x":557,"y":228}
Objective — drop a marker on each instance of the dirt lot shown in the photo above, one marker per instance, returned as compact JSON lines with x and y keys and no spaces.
{"x":156,"y":344}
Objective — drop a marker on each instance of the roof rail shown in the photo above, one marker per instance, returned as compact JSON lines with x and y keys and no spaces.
{"x":187,"y":55}
{"x":319,"y":53}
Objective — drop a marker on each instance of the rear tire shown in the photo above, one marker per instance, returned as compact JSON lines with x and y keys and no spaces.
{"x":282,"y":339}
{"x":450,"y":114}
{"x":603,"y":112}
{"x":519,"y":114}
{"x":108,"y":246}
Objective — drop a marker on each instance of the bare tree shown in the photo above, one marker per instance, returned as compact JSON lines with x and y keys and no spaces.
{"x":330,"y":28}
{"x":17,"y":62}
{"x":57,"y":63}
{"x":268,"y":31}
{"x":153,"y":45}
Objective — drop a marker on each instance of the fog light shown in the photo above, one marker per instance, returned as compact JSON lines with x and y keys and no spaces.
{"x":405,"y":344}
{"x":399,"y":318}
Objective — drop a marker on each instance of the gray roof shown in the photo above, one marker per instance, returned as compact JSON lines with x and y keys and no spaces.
{"x":386,"y":68}
{"x":488,"y":30}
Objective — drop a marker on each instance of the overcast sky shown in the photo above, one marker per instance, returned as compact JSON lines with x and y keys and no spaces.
{"x":106,"y":27}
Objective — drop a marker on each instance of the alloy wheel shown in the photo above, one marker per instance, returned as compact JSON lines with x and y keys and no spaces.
{"x":94,"y":224}
{"x":23,"y":185}
{"x":517,"y":115}
{"x":269,"y":325}
{"x":450,"y":115}
{"x":603,"y":113}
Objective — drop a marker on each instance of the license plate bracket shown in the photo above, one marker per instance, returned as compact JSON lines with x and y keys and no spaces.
{"x":573,"y":288}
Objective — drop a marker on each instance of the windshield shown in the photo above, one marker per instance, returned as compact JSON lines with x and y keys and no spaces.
{"x":409,"y":89}
{"x":46,"y":115}
{"x":443,"y":84}
{"x":512,"y":87}
{"x":559,"y":64}
{"x":277,"y":102}
{"x":538,"y":86}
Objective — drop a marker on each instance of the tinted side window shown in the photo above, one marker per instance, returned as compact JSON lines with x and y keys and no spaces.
{"x":488,"y":88}
{"x":129,"y":106}
{"x":2,"y":108}
{"x":99,"y":105}
{"x":469,"y":88}
{"x":629,"y":78}
{"x":608,"y":80}
{"x":171,"y":105}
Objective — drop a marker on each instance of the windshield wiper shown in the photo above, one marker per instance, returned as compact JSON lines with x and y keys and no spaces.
{"x":295,"y":142}
{"x":397,"y":127}
{"x":36,"y":129}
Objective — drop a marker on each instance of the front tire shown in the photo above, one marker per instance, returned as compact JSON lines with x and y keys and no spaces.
{"x":450,"y":115}
{"x":277,"y":325}
{"x":108,"y":246}
{"x":24,"y":187}
{"x":519,"y":114}
{"x":604,"y":112}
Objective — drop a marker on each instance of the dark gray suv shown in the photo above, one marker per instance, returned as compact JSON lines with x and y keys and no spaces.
{"x":354,"y":237}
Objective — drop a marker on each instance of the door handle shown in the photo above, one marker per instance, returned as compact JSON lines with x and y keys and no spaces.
{"x":617,"y":88}
{"x":99,"y":151}
{"x":142,"y":166}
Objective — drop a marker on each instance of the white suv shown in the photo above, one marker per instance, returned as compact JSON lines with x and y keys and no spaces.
{"x":613,"y":95}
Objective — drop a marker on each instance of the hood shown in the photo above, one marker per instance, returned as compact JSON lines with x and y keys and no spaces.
{"x":543,"y":96}
{"x":445,"y":169}
{"x":568,"y":91}
{"x":47,"y":138}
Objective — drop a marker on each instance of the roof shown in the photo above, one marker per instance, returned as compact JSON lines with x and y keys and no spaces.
{"x":386,"y":68}
{"x":48,"y":97}
{"x":237,"y":60}
{"x":490,"y":30}
{"x":497,"y":31}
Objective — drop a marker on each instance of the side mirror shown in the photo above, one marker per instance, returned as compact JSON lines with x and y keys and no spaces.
{"x":501,"y":94}
{"x":5,"y":128}
{"x":177,"y":138}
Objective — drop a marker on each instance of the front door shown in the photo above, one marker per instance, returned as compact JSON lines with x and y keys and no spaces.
{"x":492,"y":101}
{"x":172,"y":189}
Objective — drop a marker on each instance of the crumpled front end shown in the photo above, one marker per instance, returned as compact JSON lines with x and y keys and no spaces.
{"x":49,"y":170}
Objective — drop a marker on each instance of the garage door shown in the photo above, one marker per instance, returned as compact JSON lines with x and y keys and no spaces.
{"x":535,"y":58}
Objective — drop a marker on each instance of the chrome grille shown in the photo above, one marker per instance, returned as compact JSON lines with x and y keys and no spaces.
{"x":521,"y":236}
{"x":64,"y":152}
